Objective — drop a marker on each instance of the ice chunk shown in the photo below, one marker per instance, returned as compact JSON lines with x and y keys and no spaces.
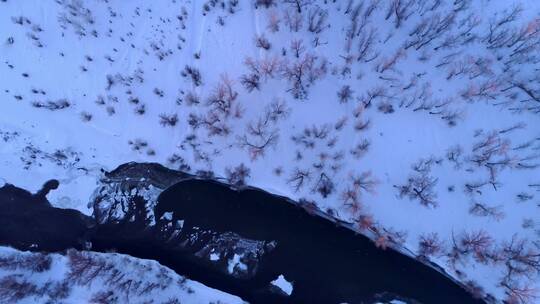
{"x":214,"y":256}
{"x":283,"y":284}
{"x":167,"y":216}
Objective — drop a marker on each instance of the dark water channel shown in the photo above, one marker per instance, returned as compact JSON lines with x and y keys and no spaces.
{"x":266,"y":235}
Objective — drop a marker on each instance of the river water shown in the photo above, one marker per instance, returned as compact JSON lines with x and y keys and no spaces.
{"x":238,"y":242}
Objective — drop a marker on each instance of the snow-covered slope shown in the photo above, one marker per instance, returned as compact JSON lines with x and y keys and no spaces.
{"x":88,"y":277}
{"x":417,"y":119}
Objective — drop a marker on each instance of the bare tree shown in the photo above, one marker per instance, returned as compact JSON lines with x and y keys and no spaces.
{"x":519,"y":293}
{"x":238,"y":175}
{"x":324,"y":185}
{"x":365,"y":222}
{"x":480,"y":209}
{"x":299,"y":178}
{"x":273,"y":21}
{"x":262,"y":133}
{"x":311,"y":136}
{"x":293,"y":19}
{"x":263,"y":69}
{"x":454,"y":155}
{"x":250,"y":82}
{"x":487,"y":90}
{"x":317,"y":19}
{"x":389,"y":63}
{"x":492,"y":152}
{"x":521,"y":259}
{"x":465,"y":34}
{"x":430,"y":29}
{"x":531,"y":100}
{"x":474,"y":289}
{"x":420,"y":185}
{"x":499,"y":32}
{"x":478,"y":243}
{"x":360,"y":149}
{"x":372,"y":95}
{"x":364,"y":182}
{"x":297,"y":47}
{"x":222,"y":106}
{"x":13,"y":289}
{"x":430,"y":245}
{"x":84,"y":268}
{"x":302,"y":73}
{"x":104,"y":297}
{"x":382,"y":241}
{"x":265,"y":3}
{"x":345,"y":94}
{"x":396,"y":237}
{"x":366,"y":41}
{"x":36,"y":262}
{"x":401,"y":10}
{"x":277,"y":110}
{"x":298,"y":4}
{"x":351,"y":200}
{"x":223,"y":97}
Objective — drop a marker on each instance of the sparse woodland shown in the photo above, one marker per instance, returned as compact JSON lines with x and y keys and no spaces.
{"x":417,"y":121}
{"x":94,"y":278}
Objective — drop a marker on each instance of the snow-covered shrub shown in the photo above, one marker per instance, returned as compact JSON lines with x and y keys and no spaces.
{"x":168,"y":120}
{"x":85,"y":116}
{"x":52,"y":105}
{"x":262,"y":42}
{"x":193,"y":73}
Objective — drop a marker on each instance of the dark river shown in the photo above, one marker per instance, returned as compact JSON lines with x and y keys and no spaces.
{"x":238,"y":242}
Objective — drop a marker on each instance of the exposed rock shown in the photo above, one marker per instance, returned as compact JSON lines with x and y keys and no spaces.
{"x":116,"y":198}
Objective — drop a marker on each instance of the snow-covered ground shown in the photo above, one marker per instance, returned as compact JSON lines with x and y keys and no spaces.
{"x":89,"y":277}
{"x":417,"y":119}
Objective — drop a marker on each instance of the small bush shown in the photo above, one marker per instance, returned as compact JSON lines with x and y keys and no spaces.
{"x":168,"y":120}
{"x":85,"y":116}
{"x":262,"y":42}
